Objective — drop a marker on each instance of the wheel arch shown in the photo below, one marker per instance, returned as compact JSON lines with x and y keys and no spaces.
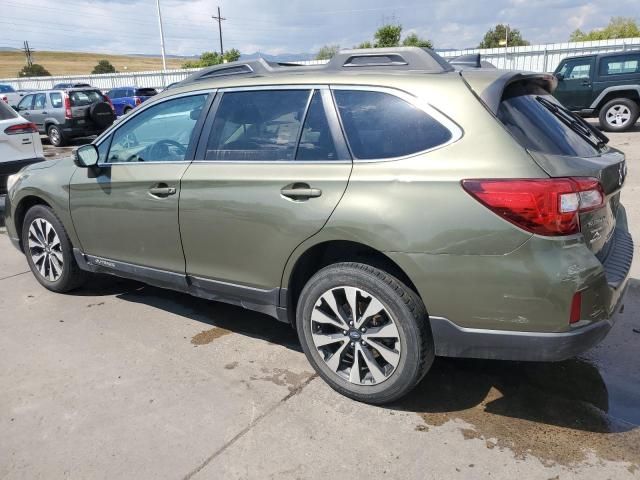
{"x":21,"y":210}
{"x":627,"y":91}
{"x":328,"y":252}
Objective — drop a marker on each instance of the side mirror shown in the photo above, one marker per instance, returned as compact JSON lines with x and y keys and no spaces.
{"x":560,"y":76}
{"x":86,"y":156}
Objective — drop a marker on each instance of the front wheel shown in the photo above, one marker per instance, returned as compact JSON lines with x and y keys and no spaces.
{"x":365,"y":332}
{"x":619,"y":115}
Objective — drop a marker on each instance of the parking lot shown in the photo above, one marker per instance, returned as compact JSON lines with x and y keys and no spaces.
{"x":122,"y":380}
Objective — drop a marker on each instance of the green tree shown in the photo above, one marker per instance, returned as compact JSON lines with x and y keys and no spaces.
{"x":34,"y":70}
{"x":366,"y":44}
{"x":327,"y":52}
{"x":104,"y":66}
{"x":388,"y":36}
{"x":413,"y":40}
{"x":208,"y":59}
{"x":618,"y":27}
{"x":495,"y":37}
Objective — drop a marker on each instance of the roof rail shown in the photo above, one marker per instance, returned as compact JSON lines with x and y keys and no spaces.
{"x":256,"y":67}
{"x":472,"y":60}
{"x":398,"y":58}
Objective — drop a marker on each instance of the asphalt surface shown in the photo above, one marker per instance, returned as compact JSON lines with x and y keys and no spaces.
{"x":122,"y":380}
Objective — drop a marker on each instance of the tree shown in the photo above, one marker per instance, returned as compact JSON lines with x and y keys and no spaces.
{"x":34,"y":70}
{"x":413,"y":40}
{"x":495,"y":37}
{"x":327,"y":52}
{"x":618,"y":27}
{"x":104,"y":66}
{"x":366,"y":44}
{"x":208,"y":59}
{"x":388,"y":36}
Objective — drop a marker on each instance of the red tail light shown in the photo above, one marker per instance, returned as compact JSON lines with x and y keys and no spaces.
{"x":137,"y":100}
{"x":549,"y":206}
{"x":108,"y":100}
{"x":4,"y":98}
{"x":67,"y":107}
{"x":21,"y":128}
{"x":576,"y":306}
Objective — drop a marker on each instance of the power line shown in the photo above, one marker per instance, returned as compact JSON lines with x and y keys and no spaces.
{"x":219,"y":19}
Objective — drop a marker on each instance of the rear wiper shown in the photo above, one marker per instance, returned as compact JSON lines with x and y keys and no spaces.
{"x":576,"y":123}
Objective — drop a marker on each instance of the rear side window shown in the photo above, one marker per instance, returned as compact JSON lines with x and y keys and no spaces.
{"x":380,"y":125}
{"x":145,"y":92}
{"x":40,"y":101}
{"x":260,"y":125}
{"x":81,"y":98}
{"x":620,"y":65}
{"x":6,"y":112}
{"x":536,"y":127}
{"x":316,"y":142}
{"x":56,"y":99}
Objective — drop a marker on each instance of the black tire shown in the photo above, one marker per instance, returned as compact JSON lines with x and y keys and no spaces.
{"x":56,"y":137}
{"x":126,"y":110}
{"x":404,"y":306}
{"x":101,"y":114}
{"x":71,"y":277}
{"x":608,"y":111}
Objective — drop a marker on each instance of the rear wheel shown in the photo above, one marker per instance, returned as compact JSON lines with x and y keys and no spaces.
{"x":49,"y":251}
{"x":619,"y":115}
{"x":126,"y":110}
{"x":365,"y":332}
{"x":56,"y":137}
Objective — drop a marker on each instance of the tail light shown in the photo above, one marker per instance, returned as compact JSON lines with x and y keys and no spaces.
{"x":549,"y":206}
{"x":67,"y":107}
{"x":137,"y":100}
{"x":108,"y":100}
{"x":576,"y":307}
{"x":21,"y":128}
{"x":4,"y":98}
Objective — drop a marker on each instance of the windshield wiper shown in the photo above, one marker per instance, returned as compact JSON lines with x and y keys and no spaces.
{"x":576,"y":123}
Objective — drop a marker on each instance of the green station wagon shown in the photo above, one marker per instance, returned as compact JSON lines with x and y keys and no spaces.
{"x":388,"y":207}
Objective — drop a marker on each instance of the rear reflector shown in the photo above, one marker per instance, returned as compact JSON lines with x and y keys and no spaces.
{"x":576,"y":305}
{"x":21,"y":128}
{"x":137,"y":100}
{"x":546,"y":206}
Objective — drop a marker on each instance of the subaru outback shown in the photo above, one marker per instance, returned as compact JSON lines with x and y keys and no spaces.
{"x":389,"y":208}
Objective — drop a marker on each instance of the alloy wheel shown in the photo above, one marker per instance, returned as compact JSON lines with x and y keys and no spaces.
{"x":355,"y":335}
{"x":618,"y":115}
{"x":45,"y":249}
{"x":54,"y":136}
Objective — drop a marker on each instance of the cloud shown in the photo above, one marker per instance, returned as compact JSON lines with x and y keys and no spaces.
{"x":124,"y":26}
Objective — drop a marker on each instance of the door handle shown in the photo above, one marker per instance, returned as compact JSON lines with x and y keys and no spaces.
{"x":162,"y":190}
{"x":45,"y":113}
{"x":586,"y":83}
{"x":300,"y":191}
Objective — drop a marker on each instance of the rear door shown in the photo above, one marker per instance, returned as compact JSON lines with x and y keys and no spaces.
{"x":575,"y":88}
{"x":270,"y":168}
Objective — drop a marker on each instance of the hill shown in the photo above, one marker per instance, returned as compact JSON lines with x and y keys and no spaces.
{"x":78,"y":63}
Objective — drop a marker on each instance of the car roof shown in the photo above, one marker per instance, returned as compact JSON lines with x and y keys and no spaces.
{"x":604,"y":55}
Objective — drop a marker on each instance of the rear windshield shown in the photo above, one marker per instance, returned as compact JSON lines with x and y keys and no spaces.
{"x":81,"y":98}
{"x":536,"y":127}
{"x":6,"y":112}
{"x":145,"y":92}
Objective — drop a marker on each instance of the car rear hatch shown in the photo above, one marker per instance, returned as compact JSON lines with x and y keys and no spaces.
{"x":80,"y":101}
{"x":145,"y":93}
{"x":565,"y":146}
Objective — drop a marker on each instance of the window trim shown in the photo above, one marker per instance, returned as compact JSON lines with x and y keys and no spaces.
{"x":421,"y":104}
{"x":107,"y":135}
{"x":334,"y":127}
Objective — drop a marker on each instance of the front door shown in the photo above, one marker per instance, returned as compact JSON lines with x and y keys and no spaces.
{"x":39,"y":111}
{"x":127,"y":210}
{"x":266,"y":177}
{"x":575,"y":87}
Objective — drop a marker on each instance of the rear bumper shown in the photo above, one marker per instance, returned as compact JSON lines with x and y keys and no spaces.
{"x":70,"y":132}
{"x":9,"y":168}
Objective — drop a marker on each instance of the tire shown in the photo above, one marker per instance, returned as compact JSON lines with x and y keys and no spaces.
{"x":56,"y":137}
{"x":618,"y":115}
{"x":126,"y":110}
{"x":101,"y":114}
{"x":409,"y":348}
{"x":40,"y":229}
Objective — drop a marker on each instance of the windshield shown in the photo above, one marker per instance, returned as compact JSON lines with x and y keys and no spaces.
{"x":525,"y":111}
{"x":85,"y":97}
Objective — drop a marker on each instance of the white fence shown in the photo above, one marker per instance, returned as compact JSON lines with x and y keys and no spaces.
{"x":536,"y":58}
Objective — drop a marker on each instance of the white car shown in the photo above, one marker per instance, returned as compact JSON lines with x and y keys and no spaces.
{"x":20,"y":144}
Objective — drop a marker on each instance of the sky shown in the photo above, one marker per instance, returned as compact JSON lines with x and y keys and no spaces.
{"x":290,"y":26}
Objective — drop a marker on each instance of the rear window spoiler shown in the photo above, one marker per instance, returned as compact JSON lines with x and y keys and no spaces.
{"x":492,"y":95}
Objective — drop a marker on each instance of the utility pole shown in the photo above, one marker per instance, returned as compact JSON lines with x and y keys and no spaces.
{"x":219,"y":19}
{"x":27,"y":53}
{"x":164,"y":60}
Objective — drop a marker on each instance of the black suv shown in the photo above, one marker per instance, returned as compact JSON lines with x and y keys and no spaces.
{"x":606,"y":86}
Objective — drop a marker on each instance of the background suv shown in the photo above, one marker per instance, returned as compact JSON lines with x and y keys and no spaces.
{"x":606,"y":86}
{"x":388,"y":207}
{"x":66,"y":114}
{"x":126,"y":99}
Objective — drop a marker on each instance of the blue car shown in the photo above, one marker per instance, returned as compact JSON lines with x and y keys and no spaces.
{"x":124,"y":99}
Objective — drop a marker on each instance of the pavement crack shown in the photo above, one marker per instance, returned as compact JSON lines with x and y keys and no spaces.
{"x":246,"y":429}
{"x":14,"y":275}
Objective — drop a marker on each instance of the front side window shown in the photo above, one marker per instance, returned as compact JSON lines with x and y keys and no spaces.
{"x":379,"y":125}
{"x":113,"y":94}
{"x":620,"y":65}
{"x":576,"y":69}
{"x":257,"y":125}
{"x":25,"y":103}
{"x":56,"y":99}
{"x":161,"y":133}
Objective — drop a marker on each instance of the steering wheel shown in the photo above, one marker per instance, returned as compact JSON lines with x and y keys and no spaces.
{"x":161,"y":148}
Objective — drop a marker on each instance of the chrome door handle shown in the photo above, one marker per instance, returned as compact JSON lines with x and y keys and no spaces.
{"x":300,"y":192}
{"x":162,"y":191}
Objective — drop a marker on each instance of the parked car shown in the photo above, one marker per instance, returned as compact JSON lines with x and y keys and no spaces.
{"x":606,"y":86}
{"x":387,"y":206}
{"x":126,"y":99}
{"x":63,"y":86}
{"x":19,"y":144}
{"x":9,"y":95}
{"x":66,"y":114}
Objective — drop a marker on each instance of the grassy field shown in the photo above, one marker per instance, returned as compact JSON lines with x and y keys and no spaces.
{"x":76,"y":63}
